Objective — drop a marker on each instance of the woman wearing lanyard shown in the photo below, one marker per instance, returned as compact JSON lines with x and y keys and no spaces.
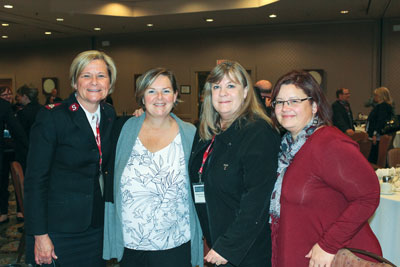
{"x":233,"y":169}
{"x":64,"y":207}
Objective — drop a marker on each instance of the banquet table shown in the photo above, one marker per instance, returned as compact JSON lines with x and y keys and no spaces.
{"x":396,"y":140}
{"x":386,"y":225}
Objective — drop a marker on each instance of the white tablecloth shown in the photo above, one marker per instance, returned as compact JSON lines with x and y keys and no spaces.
{"x":396,"y":141}
{"x":386,"y":225}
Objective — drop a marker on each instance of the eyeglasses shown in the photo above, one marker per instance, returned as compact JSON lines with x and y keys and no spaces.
{"x":290,"y":102}
{"x":4,"y":95}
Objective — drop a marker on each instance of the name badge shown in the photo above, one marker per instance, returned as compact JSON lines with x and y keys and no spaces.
{"x":198,"y":190}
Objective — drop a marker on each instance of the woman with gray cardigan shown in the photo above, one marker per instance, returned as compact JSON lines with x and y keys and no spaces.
{"x":152,"y":221}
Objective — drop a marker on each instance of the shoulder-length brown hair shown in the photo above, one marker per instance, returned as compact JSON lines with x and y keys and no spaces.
{"x":148,"y":78}
{"x":250,"y":108}
{"x":304,"y":81}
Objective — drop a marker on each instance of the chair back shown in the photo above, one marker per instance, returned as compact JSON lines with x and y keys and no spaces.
{"x":17,"y":175}
{"x":393,"y":157}
{"x":359,"y":136}
{"x":365,"y":147}
{"x":384,"y":144}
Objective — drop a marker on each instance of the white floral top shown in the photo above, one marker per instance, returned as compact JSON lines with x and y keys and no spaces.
{"x":155,"y":212}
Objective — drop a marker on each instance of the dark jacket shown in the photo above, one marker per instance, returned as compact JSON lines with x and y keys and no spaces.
{"x":239,"y":177}
{"x":341,"y":118}
{"x":62,"y":192}
{"x":7,"y":116}
{"x":378,"y":117}
{"x":27,"y":116}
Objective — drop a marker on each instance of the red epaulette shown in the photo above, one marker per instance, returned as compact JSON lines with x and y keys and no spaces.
{"x":51,"y":106}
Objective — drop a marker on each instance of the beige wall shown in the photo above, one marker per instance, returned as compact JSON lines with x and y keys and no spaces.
{"x":347,"y":52}
{"x":29,"y":63}
{"x":391,"y":61}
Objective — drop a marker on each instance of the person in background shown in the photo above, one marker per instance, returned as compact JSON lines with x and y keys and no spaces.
{"x":8,"y":147}
{"x":64,"y":206}
{"x":53,"y":97}
{"x":28,"y":97}
{"x":326,"y":190}
{"x":380,"y":114}
{"x":153,"y":221}
{"x":342,"y":114}
{"x":263,"y":89}
{"x":17,"y":105}
{"x":231,"y":188}
{"x":6,"y":94}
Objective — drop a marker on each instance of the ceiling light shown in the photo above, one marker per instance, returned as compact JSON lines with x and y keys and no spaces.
{"x":8,"y":6}
{"x":209,"y":20}
{"x":4,"y":36}
{"x":47,"y":33}
{"x":344,"y":11}
{"x":5,"y":24}
{"x":97,"y":29}
{"x":59,"y":19}
{"x":150,"y":24}
{"x":272,"y":16}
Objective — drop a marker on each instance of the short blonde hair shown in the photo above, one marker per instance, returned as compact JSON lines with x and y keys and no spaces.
{"x":83,"y":59}
{"x":250,"y":109}
{"x":384,"y":94}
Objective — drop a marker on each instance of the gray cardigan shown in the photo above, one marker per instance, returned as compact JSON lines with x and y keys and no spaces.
{"x":113,"y":237}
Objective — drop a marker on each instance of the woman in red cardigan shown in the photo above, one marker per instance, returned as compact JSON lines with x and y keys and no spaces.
{"x":326,"y":190}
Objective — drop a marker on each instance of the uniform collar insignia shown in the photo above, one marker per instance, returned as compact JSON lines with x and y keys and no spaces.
{"x":51,"y":106}
{"x":74,"y":107}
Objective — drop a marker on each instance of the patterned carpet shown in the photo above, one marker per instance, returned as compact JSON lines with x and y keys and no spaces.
{"x":10,"y":236}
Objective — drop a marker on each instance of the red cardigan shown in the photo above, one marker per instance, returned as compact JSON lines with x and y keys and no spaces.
{"x":328,"y":194}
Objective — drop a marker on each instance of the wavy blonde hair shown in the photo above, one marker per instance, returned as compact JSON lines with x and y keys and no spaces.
{"x":384,"y":94}
{"x":250,"y":108}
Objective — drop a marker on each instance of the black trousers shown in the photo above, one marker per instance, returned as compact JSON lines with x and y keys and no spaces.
{"x":174,"y":257}
{"x":373,"y":155}
{"x":8,"y":157}
{"x":73,"y":249}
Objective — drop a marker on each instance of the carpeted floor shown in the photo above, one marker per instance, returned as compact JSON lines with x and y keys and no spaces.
{"x":10,"y":236}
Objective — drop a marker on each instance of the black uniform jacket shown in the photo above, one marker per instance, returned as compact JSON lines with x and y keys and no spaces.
{"x":341,"y":119}
{"x":239,"y":177}
{"x":62,"y":192}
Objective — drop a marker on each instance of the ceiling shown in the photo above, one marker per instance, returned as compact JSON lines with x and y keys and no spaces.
{"x":28,"y":20}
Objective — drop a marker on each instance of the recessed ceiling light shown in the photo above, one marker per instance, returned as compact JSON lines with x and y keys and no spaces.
{"x":97,"y":29}
{"x":4,"y":36}
{"x":59,"y":19}
{"x":47,"y":33}
{"x":8,"y":6}
{"x":344,"y":11}
{"x":5,"y":24}
{"x":272,"y":16}
{"x":209,"y":20}
{"x":150,"y":24}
